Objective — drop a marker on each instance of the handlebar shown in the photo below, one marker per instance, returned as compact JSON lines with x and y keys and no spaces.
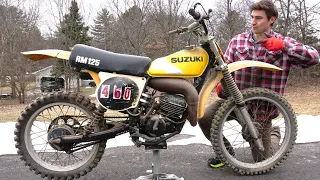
{"x":196,"y":15}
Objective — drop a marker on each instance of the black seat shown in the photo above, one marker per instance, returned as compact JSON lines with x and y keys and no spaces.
{"x":99,"y":60}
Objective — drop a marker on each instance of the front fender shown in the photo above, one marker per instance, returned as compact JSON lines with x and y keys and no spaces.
{"x":244,"y":64}
{"x":47,"y":54}
{"x":217,"y":76}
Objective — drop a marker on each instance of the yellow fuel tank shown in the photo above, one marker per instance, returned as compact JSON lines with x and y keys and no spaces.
{"x":184,"y":63}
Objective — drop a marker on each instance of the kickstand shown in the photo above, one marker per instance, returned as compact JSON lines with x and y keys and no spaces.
{"x":156,"y":175}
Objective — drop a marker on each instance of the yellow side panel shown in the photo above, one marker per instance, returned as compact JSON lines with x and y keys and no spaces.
{"x":185,"y":63}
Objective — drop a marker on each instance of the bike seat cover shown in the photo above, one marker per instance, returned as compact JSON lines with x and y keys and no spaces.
{"x":97,"y":60}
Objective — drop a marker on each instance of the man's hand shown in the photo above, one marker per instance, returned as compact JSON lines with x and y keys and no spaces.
{"x":219,"y":91}
{"x":273,"y":44}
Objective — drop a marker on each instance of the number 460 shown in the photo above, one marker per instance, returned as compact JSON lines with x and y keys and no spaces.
{"x":117,"y":92}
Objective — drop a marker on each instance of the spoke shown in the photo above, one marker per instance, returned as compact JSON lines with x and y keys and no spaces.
{"x":231,"y":128}
{"x":49,"y":113}
{"x":56,"y":111}
{"x":38,"y":132}
{"x":236,"y":138}
{"x":232,"y":134}
{"x":40,"y":144}
{"x":44,"y":147}
{"x":67,"y":110}
{"x":75,"y":157}
{"x":279,"y":121}
{"x":59,"y":158}
{"x":62,"y":110}
{"x":42,"y":130}
{"x":38,"y":137}
{"x":51,"y":156}
{"x":83,"y":150}
{"x":238,"y":144}
{"x":69,"y":162}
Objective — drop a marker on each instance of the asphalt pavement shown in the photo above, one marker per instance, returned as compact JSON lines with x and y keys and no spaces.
{"x":188,"y":161}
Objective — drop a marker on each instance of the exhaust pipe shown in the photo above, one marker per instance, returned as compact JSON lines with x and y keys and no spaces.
{"x":179,"y":86}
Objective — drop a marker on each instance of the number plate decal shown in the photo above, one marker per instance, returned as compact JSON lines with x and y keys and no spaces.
{"x":117,"y":93}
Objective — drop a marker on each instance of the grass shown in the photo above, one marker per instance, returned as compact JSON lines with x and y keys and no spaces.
{"x":303,"y":97}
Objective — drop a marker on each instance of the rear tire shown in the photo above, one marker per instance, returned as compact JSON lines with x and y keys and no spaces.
{"x":223,"y":128}
{"x":42,"y":160}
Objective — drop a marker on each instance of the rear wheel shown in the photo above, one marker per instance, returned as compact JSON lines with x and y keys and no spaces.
{"x":225,"y":126}
{"x":54,"y":115}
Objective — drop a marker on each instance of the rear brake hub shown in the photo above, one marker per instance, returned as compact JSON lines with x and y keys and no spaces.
{"x":59,"y":131}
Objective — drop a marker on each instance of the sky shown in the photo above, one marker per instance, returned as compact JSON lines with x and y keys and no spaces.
{"x":308,"y":131}
{"x":89,"y":9}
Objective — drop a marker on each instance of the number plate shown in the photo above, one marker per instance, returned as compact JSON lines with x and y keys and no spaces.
{"x":119,"y":92}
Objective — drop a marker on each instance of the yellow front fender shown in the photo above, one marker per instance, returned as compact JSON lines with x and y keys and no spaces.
{"x":217,"y":76}
{"x":47,"y":54}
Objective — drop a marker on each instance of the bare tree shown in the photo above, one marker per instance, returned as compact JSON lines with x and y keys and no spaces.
{"x":131,"y":25}
{"x":231,"y":18}
{"x":164,"y":17}
{"x":18,"y":33}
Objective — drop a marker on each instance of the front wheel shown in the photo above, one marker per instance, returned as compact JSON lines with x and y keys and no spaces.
{"x":53,"y":115}
{"x":265,"y":107}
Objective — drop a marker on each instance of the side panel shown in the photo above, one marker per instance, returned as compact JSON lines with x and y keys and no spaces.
{"x":185,"y":63}
{"x":119,"y":92}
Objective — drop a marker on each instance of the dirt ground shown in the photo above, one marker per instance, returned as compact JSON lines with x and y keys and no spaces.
{"x":304,"y":98}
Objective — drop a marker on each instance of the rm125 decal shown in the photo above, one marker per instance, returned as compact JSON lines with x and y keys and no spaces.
{"x":86,"y":60}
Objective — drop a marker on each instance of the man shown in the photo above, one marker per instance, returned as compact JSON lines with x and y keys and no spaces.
{"x":261,"y":44}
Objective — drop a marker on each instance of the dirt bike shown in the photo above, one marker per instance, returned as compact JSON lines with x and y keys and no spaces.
{"x":63,"y":135}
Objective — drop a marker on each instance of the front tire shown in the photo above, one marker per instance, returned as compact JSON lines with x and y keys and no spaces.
{"x":242,"y":161}
{"x":48,"y":116}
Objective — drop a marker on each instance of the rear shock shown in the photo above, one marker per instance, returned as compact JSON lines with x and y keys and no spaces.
{"x":98,"y":114}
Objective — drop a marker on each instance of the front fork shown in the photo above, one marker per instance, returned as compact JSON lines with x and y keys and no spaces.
{"x":241,"y":112}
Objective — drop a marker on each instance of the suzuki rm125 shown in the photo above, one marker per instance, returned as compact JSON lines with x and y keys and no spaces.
{"x":63,"y":135}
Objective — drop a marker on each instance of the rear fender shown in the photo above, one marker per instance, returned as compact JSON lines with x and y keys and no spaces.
{"x":47,"y":54}
{"x":54,"y":53}
{"x":217,"y":76}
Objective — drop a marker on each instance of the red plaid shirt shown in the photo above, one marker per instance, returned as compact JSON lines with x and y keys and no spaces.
{"x":244,"y":47}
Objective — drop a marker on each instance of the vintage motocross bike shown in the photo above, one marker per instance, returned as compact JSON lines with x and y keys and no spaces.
{"x":63,"y":135}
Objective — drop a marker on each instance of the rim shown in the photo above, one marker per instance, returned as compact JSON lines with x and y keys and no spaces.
{"x":37,"y":144}
{"x":232,"y":131}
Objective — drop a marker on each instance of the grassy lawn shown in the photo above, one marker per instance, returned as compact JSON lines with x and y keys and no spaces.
{"x":303,"y":98}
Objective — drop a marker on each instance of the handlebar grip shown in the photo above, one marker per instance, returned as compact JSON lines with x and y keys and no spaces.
{"x":194,"y":14}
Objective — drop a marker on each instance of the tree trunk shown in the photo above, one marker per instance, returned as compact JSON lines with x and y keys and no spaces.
{"x":13,"y":88}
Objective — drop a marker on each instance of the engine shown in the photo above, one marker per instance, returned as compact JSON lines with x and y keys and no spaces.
{"x":167,"y":117}
{"x":172,"y":106}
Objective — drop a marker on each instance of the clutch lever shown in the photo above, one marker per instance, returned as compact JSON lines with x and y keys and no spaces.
{"x":180,"y":30}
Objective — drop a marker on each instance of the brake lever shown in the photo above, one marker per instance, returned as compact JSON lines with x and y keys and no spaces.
{"x":179,"y":30}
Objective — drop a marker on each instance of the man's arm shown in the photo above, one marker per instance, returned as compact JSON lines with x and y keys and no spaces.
{"x":302,"y":55}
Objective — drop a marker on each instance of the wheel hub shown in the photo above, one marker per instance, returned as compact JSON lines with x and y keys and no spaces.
{"x":59,"y":131}
{"x":246,"y":134}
